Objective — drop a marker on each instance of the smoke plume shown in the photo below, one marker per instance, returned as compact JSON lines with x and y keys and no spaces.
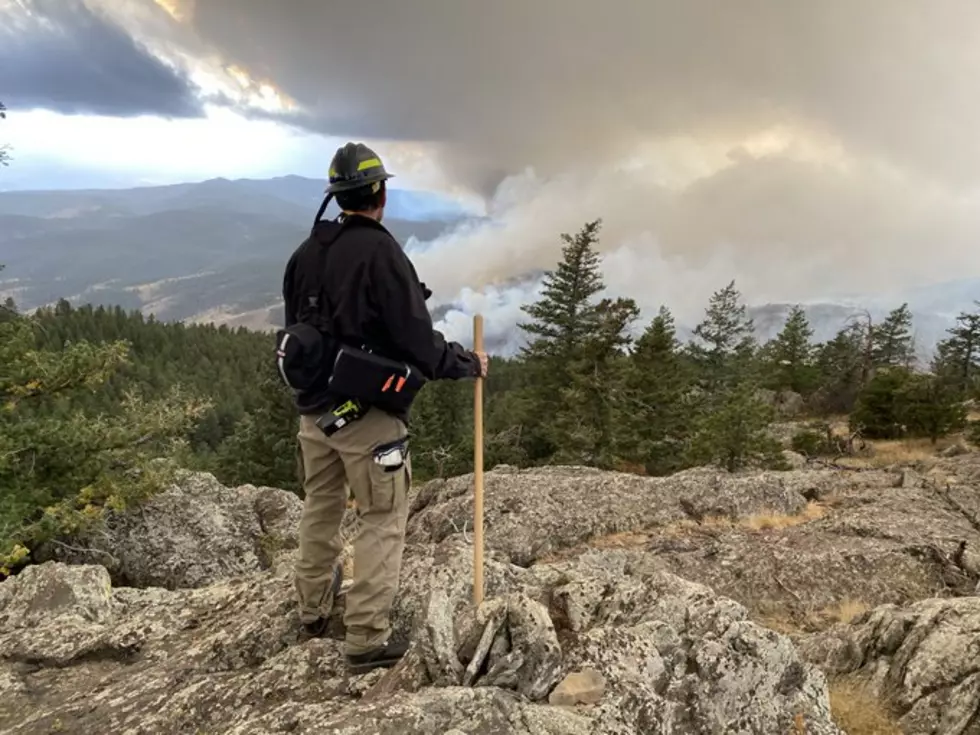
{"x":806,"y":149}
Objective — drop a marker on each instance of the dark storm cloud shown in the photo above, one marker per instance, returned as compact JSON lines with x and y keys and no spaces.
{"x":63,"y":55}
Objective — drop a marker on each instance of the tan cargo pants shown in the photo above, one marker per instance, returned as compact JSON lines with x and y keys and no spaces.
{"x":330,"y":466}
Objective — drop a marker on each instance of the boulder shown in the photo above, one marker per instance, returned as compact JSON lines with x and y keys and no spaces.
{"x":191,"y":534}
{"x":921,"y":660}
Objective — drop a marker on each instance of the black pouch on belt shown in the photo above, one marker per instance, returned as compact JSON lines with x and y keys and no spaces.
{"x":374,"y":379}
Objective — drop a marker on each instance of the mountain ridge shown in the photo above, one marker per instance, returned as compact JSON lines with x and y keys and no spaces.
{"x":214,"y":251}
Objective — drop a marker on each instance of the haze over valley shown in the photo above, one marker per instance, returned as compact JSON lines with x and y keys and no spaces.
{"x":214,"y":251}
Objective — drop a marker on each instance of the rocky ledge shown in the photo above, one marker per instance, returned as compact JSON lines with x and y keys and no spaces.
{"x":613,"y":604}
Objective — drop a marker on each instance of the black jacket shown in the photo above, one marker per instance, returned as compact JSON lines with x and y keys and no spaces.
{"x":371,"y":295}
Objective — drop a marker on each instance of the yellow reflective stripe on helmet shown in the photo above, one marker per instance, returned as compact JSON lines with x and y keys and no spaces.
{"x":369,"y":163}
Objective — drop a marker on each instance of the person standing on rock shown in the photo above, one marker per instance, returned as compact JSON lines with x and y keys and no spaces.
{"x":357,"y":345}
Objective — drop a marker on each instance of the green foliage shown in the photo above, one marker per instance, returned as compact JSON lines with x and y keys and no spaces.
{"x":724,"y":347}
{"x":840,"y":369}
{"x":789,"y":360}
{"x":957,"y":359}
{"x":60,"y":465}
{"x":729,"y":421}
{"x":576,"y":360}
{"x":658,"y":384}
{"x":814,"y":441}
{"x":733,"y":433}
{"x":899,"y":403}
{"x":263,"y":448}
{"x":892,"y":343}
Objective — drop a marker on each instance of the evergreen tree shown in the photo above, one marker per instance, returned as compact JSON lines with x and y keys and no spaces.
{"x":61,"y":465}
{"x":840,"y":370}
{"x":930,"y":408}
{"x":899,"y":403}
{"x":564,"y":317}
{"x":263,"y":448}
{"x":442,"y":430}
{"x":573,"y":358}
{"x":730,"y":420}
{"x":957,"y":359}
{"x":658,"y":417}
{"x":725,"y":344}
{"x":789,"y":357}
{"x":892,"y":343}
{"x":733,"y":433}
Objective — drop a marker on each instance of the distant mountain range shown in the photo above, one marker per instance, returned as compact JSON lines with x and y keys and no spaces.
{"x":215,"y":250}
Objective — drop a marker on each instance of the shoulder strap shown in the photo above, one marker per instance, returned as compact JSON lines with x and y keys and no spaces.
{"x":323,"y":208}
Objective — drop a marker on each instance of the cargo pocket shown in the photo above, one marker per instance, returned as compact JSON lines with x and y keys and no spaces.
{"x":388,"y":475}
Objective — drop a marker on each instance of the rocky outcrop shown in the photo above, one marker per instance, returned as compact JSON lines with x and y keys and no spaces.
{"x":922,"y":660}
{"x":84,"y":657}
{"x":869,"y":538}
{"x":192,"y":534}
{"x":530,"y":514}
{"x":613,"y":604}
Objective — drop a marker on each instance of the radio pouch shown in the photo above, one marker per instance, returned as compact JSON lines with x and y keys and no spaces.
{"x":374,"y":379}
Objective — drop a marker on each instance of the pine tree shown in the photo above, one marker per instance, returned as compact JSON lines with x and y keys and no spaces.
{"x":730,"y":420}
{"x":725,"y":342}
{"x":957,"y":359}
{"x":789,"y":356}
{"x":442,"y":430}
{"x":892,"y":343}
{"x":262,"y":448}
{"x":658,"y":418}
{"x":61,"y":464}
{"x":733,"y":434}
{"x":898,"y":403}
{"x":840,"y":369}
{"x":574,"y":371}
{"x":564,"y":317}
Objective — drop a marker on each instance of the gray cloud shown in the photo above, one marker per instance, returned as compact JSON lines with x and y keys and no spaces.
{"x":65,"y":56}
{"x":511,"y":83}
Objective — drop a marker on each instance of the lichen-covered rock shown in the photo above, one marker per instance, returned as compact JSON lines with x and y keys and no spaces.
{"x":227,"y":658}
{"x":214,"y":647}
{"x":923,"y":660}
{"x":676,"y":658}
{"x":530,"y":514}
{"x":481,"y":711}
{"x":192,"y":534}
{"x":46,"y":591}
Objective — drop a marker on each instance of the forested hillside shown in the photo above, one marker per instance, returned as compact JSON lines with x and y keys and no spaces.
{"x":100,"y":405}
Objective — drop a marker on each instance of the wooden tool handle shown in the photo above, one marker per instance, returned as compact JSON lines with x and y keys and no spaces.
{"x":478,"y":470}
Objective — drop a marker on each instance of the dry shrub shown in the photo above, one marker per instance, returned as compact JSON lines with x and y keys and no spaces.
{"x":710,"y":525}
{"x":847,"y":610}
{"x":891,"y":452}
{"x":770,"y":521}
{"x":858,"y":711}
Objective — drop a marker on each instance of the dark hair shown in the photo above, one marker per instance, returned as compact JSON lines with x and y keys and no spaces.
{"x":361,"y":199}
